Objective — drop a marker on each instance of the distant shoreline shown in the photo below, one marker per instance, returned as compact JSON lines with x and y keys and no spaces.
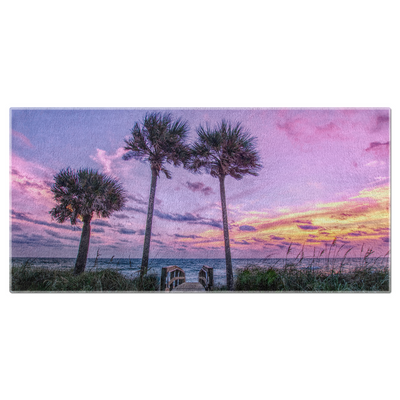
{"x":175,"y":258}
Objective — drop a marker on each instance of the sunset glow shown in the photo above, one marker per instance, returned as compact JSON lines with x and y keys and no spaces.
{"x":325,"y":177}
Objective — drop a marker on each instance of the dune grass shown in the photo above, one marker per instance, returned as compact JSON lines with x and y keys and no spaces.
{"x":250,"y":278}
{"x":26,"y":278}
{"x":333,"y":277}
{"x":294,"y":279}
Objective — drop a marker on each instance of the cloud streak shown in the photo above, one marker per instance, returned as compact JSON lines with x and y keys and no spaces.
{"x":199,"y":187}
{"x":187,"y":236}
{"x":125,"y":231}
{"x":187,"y":217}
{"x":19,"y":216}
{"x":369,"y":210}
{"x":247,"y":228}
{"x":308,"y":227}
{"x":22,"y":138}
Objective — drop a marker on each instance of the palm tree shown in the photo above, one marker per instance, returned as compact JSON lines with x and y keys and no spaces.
{"x":225,"y":150}
{"x":158,"y":139}
{"x":79,"y":195}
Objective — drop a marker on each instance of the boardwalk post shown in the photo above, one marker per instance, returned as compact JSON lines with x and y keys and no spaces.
{"x":163,"y":278}
{"x":206,"y":277}
{"x":211,"y":278}
{"x":171,"y":277}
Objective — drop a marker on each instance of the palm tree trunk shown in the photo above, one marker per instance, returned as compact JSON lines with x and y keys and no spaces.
{"x":228,"y":258}
{"x":147,"y":236}
{"x":80,"y":263}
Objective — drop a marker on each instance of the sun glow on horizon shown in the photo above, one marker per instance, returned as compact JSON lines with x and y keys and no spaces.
{"x":363,"y":218}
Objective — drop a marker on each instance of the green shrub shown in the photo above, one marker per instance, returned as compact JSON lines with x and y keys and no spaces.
{"x":36,"y":279}
{"x":291,"y":278}
{"x":257,"y":278}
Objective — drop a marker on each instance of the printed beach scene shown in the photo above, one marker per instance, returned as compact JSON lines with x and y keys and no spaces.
{"x":200,"y":200}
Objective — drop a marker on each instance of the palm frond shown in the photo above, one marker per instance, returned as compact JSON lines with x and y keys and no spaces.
{"x":82,"y":193}
{"x":225,"y":150}
{"x":158,"y":139}
{"x":166,"y":173}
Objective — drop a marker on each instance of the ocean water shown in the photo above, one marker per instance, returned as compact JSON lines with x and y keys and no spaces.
{"x":192,"y":266}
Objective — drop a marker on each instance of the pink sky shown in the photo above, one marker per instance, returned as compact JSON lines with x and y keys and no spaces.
{"x":325,"y":175}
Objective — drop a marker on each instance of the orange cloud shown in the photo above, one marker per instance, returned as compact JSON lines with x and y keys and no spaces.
{"x":362,"y":219}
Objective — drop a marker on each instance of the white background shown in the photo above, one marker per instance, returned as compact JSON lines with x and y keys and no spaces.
{"x":199,"y":54}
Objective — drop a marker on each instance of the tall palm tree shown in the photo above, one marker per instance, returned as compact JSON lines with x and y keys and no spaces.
{"x":226,"y":150}
{"x":79,"y":195}
{"x":157,"y":139}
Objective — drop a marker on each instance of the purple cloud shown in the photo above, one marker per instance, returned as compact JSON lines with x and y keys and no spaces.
{"x":379,"y":229}
{"x":358,"y":233}
{"x":121,"y":216}
{"x":327,"y":129}
{"x":187,"y":217}
{"x":142,"y":232}
{"x":16,"y":228}
{"x":37,"y":240}
{"x":291,"y":243}
{"x":187,"y":236}
{"x":302,"y":221}
{"x":207,"y":190}
{"x":194,"y":186}
{"x":299,"y":128}
{"x":125,"y":231}
{"x":60,"y":236}
{"x":377,"y":145}
{"x":24,"y":217}
{"x":136,"y":199}
{"x":127,"y":208}
{"x":245,"y":242}
{"x":308,"y":227}
{"x":247,"y":228}
{"x":199,"y":187}
{"x":100,"y":222}
{"x":276,"y":237}
{"x":382,"y":122}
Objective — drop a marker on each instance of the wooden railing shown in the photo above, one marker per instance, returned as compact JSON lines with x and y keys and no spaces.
{"x":171,"y":277}
{"x":206,"y":277}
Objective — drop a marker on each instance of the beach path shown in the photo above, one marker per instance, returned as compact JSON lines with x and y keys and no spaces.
{"x":189,"y":287}
{"x":173,"y":279}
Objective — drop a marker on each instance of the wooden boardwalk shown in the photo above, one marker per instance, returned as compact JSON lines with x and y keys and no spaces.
{"x":189,"y":287}
{"x":173,"y":279}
